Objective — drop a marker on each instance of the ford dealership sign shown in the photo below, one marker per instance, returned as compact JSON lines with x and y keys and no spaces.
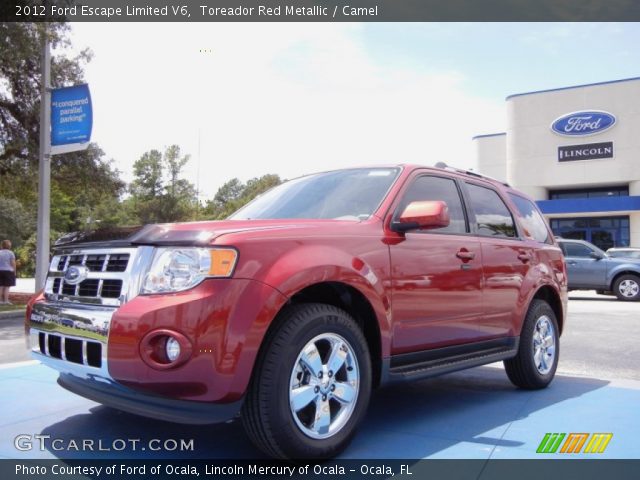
{"x":588,"y":122}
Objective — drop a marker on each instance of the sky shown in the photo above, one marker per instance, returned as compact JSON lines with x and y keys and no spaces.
{"x":249,"y":99}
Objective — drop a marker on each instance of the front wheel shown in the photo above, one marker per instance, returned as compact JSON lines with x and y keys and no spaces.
{"x":627,"y":288}
{"x":535,"y":364}
{"x":311,"y":385}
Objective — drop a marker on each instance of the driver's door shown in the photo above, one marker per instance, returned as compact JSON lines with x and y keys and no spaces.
{"x":584,"y":267}
{"x":437,"y":276}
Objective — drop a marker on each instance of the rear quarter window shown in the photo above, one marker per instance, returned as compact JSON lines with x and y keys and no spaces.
{"x":534,"y":224}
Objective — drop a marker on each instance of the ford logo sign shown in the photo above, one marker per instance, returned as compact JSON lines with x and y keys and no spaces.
{"x":588,"y":122}
{"x":75,"y":274}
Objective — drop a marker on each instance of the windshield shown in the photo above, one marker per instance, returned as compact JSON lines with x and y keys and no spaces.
{"x":342,"y":195}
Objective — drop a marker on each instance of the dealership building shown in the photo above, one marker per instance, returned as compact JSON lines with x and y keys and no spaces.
{"x":576,"y":151}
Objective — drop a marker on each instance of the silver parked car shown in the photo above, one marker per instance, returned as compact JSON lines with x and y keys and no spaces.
{"x":589,"y":268}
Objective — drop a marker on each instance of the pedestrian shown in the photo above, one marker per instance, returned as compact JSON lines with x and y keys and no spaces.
{"x":7,"y":271}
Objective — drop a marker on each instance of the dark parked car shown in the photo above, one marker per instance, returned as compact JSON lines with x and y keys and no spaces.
{"x":589,"y":268}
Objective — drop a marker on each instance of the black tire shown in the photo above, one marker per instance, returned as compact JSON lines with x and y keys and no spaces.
{"x":627,"y":288}
{"x":267,"y":416}
{"x":522,"y":369}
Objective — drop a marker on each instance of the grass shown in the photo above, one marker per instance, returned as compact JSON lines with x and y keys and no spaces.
{"x":9,"y":308}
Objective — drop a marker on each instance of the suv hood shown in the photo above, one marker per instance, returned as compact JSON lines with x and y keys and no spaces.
{"x":190,"y":233}
{"x":621,"y":260}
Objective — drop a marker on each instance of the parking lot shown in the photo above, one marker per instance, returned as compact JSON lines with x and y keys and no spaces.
{"x":474,"y":414}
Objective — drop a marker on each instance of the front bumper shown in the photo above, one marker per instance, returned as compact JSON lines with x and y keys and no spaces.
{"x":152,"y":406}
{"x":73,"y":339}
{"x":97,"y":349}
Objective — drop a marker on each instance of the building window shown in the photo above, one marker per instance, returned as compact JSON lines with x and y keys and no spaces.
{"x":604,"y":232}
{"x":619,"y":191}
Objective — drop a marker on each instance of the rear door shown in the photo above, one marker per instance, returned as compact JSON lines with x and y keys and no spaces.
{"x":506,"y":259}
{"x":436,"y":274}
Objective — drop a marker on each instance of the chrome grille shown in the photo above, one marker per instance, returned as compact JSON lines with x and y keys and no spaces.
{"x":107,"y":282}
{"x":88,"y":288}
{"x":117,"y":263}
{"x":69,"y":330}
{"x":111,"y":288}
{"x":114,"y":262}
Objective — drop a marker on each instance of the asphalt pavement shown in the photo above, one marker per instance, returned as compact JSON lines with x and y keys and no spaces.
{"x":13,"y":346}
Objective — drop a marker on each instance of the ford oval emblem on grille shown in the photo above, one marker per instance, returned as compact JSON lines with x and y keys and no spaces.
{"x":588,"y":122}
{"x":75,"y":274}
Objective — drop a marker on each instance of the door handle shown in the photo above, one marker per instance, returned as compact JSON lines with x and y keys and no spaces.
{"x":464,"y":254}
{"x":524,"y":256}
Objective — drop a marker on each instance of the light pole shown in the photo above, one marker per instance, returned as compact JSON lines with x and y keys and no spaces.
{"x":44,"y":166}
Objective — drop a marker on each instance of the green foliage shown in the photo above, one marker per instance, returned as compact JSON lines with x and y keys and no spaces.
{"x":235,"y":194}
{"x":147,"y":171}
{"x":20,"y":81}
{"x":158,"y":194}
{"x":84,"y":185}
{"x":16,"y":222}
{"x":26,"y":254}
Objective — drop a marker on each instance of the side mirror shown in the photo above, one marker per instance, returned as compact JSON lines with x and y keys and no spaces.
{"x":422,"y":215}
{"x":596,"y":256}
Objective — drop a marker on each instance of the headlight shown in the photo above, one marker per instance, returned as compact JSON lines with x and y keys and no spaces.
{"x":177,"y":269}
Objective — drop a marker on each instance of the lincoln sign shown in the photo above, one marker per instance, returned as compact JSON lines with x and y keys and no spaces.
{"x":589,"y":151}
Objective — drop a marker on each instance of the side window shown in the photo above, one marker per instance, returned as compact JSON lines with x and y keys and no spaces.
{"x":492,"y":215}
{"x":531,"y":219}
{"x":438,"y":188}
{"x":576,"y":250}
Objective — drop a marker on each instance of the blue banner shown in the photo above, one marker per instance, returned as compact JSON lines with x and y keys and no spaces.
{"x":71,"y":116}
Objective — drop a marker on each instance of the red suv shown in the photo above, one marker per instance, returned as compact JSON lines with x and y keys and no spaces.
{"x":294,"y":308}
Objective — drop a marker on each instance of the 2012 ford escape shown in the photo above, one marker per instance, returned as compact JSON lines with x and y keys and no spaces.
{"x":292,"y":310}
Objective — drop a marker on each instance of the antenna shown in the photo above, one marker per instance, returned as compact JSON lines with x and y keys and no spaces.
{"x":198,"y":180}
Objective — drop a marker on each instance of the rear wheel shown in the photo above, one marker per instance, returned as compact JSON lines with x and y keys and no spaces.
{"x":627,"y":288}
{"x":535,"y":364}
{"x":311,"y":385}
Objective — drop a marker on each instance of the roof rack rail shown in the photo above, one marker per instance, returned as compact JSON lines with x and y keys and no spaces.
{"x":444,"y":166}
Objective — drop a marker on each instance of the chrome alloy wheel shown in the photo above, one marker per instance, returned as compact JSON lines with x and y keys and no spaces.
{"x":544,"y":345}
{"x":628,"y":288}
{"x":324,"y":385}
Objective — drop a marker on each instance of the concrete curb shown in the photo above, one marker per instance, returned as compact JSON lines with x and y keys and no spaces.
{"x":12,"y":314}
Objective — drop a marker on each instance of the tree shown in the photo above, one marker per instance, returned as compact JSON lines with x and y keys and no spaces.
{"x":20,"y":93}
{"x":81,"y":182}
{"x":158,"y":194}
{"x":16,"y":222}
{"x":147,"y":171}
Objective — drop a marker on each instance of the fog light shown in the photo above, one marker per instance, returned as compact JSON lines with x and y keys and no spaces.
{"x":165,"y":349}
{"x":172,"y":349}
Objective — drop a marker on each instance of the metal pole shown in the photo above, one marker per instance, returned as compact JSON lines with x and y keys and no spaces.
{"x":44,"y":167}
